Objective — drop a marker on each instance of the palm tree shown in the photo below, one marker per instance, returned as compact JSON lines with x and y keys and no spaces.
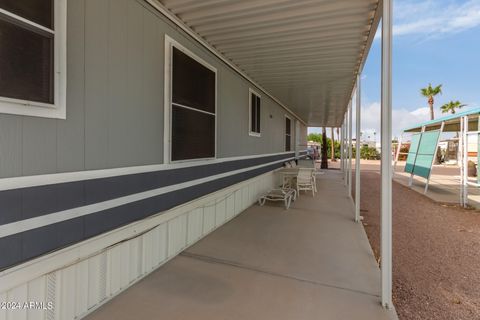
{"x":430,"y":92}
{"x":451,"y":107}
{"x":324,"y":163}
{"x":332,"y":147}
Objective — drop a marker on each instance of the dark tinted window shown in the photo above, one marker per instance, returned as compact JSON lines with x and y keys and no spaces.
{"x":287,"y":134}
{"x":193,"y":134}
{"x":38,"y":11}
{"x":254,"y":113}
{"x":193,"y":83}
{"x":26,"y":63}
{"x":287,"y":126}
{"x":193,"y":109}
{"x":258,"y":114}
{"x":253,"y":109}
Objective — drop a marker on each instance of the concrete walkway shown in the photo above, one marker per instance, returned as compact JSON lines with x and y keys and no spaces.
{"x":310,"y":262}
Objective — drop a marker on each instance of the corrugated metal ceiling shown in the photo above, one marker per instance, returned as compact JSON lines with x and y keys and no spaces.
{"x":306,"y":53}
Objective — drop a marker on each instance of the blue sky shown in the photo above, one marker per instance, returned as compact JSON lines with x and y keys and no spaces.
{"x":435,"y":42}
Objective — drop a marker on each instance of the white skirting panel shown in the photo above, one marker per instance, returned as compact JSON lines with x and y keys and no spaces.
{"x":81,"y":286}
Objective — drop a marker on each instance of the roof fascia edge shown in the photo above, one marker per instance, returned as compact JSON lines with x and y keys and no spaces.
{"x":371,"y":37}
{"x":173,"y":18}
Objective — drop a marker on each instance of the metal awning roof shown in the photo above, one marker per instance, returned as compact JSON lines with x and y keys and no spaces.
{"x":452,"y":122}
{"x":305,"y":53}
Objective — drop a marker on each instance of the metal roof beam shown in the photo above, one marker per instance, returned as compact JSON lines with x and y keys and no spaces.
{"x":283,"y":43}
{"x":347,"y":22}
{"x":292,"y":69}
{"x":284,"y":62}
{"x":280,"y":54}
{"x":275,"y":20}
{"x":239,"y":9}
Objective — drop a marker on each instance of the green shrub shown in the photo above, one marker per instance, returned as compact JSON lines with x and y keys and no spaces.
{"x":367,"y":153}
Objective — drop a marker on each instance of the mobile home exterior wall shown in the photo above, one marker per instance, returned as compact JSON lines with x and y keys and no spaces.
{"x":115,"y":81}
{"x":83,"y":181}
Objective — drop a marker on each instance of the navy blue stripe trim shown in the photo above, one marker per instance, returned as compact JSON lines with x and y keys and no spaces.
{"x":27,"y":245}
{"x":25,"y":203}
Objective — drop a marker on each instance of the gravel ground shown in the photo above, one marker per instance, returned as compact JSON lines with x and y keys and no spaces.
{"x":436,"y":252}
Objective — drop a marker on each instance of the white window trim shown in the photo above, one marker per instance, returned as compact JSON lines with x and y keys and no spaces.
{"x":250,"y":132}
{"x":56,"y":110}
{"x":170,"y":43}
{"x":297,"y":137}
{"x":285,"y":132}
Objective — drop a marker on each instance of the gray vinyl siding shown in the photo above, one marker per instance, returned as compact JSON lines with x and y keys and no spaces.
{"x":115,"y":81}
{"x":10,"y":145}
{"x":71,"y":132}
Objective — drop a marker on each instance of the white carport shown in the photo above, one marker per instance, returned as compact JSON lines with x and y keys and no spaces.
{"x":307,"y":55}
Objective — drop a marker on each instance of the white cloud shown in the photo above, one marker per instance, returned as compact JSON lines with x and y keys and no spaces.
{"x":430,"y":18}
{"x":421,"y":112}
{"x":401,"y":119}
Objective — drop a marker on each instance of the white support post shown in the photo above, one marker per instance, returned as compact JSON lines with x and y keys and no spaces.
{"x":345,"y":149}
{"x":344,"y":137}
{"x":350,"y":147}
{"x":397,"y":154}
{"x":460,"y":161}
{"x":345,"y":146}
{"x":465,"y":161}
{"x":341,"y":147}
{"x":386,"y":164}
{"x":357,"y":152}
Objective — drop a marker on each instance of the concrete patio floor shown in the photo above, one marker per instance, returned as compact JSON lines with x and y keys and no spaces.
{"x":309,"y":262}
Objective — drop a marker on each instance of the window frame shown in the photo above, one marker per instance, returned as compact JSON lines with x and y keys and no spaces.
{"x":286,"y":134}
{"x":170,"y":43}
{"x":56,"y":110}
{"x":250,"y":132}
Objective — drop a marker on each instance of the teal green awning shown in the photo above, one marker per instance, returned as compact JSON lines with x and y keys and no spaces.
{"x":452,"y":122}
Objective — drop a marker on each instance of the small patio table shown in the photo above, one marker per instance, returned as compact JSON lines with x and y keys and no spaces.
{"x":290,"y":173}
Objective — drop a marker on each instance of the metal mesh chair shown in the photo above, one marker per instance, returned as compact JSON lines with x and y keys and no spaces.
{"x":305,"y":180}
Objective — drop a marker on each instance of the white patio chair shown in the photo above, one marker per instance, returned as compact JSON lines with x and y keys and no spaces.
{"x":293,"y":163}
{"x":305,"y":181}
{"x":284,"y":195}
